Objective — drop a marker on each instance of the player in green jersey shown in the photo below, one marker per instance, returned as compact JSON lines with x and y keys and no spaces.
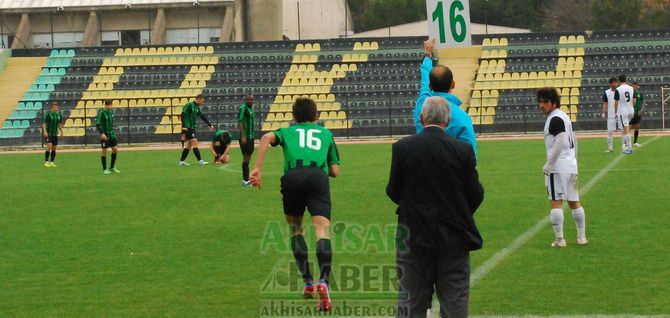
{"x":310,"y":156}
{"x":638,"y":107}
{"x":246,"y":127}
{"x":52,"y":128}
{"x":105,"y":125}
{"x":189,"y":114}
{"x":219,"y":147}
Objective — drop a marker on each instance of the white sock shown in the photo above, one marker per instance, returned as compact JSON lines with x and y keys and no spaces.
{"x":628,"y":144}
{"x":556,"y":216}
{"x":580,"y":221}
{"x":610,"y":139}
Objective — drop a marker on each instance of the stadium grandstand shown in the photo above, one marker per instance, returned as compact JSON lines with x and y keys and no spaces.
{"x":363,"y":86}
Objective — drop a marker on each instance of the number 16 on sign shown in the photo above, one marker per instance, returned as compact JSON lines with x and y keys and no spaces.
{"x":449,"y":22}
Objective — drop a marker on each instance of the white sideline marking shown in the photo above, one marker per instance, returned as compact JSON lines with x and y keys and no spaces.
{"x":484,"y":269}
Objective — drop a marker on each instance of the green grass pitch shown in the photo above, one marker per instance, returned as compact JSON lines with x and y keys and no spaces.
{"x":163,"y":240}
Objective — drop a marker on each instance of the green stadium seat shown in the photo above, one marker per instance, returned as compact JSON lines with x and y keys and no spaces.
{"x":61,"y":71}
{"x":21,"y":105}
{"x":70,"y":53}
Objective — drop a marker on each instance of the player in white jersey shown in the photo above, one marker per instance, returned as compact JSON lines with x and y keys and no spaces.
{"x":624,"y":99}
{"x":609,"y":113}
{"x":560,"y":170}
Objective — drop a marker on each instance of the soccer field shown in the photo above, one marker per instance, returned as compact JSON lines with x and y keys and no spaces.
{"x":163,"y":240}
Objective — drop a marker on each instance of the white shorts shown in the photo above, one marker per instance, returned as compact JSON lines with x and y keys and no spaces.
{"x":562,"y":186}
{"x":612,"y":124}
{"x":624,"y":119}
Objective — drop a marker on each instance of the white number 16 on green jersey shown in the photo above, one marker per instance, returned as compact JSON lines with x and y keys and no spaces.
{"x":308,"y":139}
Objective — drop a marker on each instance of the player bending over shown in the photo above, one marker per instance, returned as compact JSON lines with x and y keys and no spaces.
{"x":105,"y":125}
{"x":51,"y":126}
{"x":310,"y":156}
{"x":219,"y":147}
{"x":188,"y":118}
{"x":560,"y":170}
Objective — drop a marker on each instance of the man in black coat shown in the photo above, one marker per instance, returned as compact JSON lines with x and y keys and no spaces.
{"x":435,"y":183}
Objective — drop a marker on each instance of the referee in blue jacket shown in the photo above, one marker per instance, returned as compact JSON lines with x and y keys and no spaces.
{"x":439,"y":81}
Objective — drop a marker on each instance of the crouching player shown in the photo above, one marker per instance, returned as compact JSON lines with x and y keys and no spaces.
{"x":310,"y":156}
{"x":219,"y":147}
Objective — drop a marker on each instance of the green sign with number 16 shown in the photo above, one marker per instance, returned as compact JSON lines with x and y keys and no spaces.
{"x":449,"y":22}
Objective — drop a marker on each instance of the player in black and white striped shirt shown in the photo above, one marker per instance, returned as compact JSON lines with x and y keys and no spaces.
{"x":560,"y":170}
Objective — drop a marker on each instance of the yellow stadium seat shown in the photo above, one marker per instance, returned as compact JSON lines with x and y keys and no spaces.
{"x":574,"y":91}
{"x":358,"y":46}
{"x":504,"y":42}
{"x":495,"y":42}
{"x":563,"y":39}
{"x":341,"y":115}
{"x":300,"y":47}
{"x":136,"y":51}
{"x":562,"y":52}
{"x":193,"y":50}
{"x":573,"y":109}
{"x":144,"y":51}
{"x":486,"y":42}
{"x":572,"y":39}
{"x":580,"y":39}
{"x":486,"y":54}
{"x":571,"y":52}
{"x":374,"y":46}
{"x":502,"y":53}
{"x":579,"y":51}
{"x":119,"y":52}
{"x":476,"y":94}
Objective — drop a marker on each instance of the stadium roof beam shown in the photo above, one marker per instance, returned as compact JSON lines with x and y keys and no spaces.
{"x":36,"y":6}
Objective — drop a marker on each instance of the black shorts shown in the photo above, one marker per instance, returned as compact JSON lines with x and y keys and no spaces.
{"x":109,"y":143}
{"x":306,"y":188}
{"x":51,"y":140}
{"x":636,"y":120}
{"x":247,"y":149}
{"x":189,"y":134}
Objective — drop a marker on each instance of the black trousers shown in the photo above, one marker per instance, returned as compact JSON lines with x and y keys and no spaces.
{"x":423,"y":271}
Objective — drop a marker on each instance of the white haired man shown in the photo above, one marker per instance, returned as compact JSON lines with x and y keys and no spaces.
{"x":435,"y":183}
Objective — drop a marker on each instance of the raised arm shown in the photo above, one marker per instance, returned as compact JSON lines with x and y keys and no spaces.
{"x":424,"y":91}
